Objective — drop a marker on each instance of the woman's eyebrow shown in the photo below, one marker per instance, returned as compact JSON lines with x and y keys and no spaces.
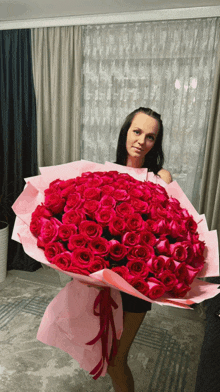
{"x":150,"y":133}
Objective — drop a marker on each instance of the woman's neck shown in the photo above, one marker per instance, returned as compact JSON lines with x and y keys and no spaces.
{"x":134,"y":162}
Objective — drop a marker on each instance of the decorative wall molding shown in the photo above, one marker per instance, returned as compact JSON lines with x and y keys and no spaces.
{"x":123,"y":17}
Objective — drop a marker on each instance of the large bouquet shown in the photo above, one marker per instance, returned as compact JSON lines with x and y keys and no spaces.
{"x":104,"y":223}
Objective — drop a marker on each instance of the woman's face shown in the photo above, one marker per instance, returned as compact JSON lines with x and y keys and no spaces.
{"x":141,"y":137}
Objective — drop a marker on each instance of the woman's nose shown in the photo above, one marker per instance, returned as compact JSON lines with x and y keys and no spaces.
{"x":141,"y":140}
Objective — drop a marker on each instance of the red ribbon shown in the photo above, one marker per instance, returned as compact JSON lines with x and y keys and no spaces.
{"x":106,"y":302}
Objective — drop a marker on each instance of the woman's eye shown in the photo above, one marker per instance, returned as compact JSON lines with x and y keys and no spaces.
{"x":137,"y":132}
{"x":151,"y":137}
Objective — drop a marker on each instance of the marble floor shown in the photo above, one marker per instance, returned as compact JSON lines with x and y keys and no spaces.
{"x":164,"y":356}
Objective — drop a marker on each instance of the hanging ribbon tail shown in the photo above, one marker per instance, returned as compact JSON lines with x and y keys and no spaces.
{"x":105,"y":302}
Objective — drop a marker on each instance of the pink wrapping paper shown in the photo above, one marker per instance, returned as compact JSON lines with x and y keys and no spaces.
{"x":60,"y":326}
{"x":69,"y":324}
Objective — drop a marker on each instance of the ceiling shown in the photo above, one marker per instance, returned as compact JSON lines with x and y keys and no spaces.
{"x":12,"y":10}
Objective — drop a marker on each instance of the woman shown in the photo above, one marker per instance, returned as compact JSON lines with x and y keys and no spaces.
{"x":139,"y":145}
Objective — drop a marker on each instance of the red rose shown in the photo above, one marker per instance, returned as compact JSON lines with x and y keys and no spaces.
{"x":107,"y":179}
{"x":107,"y":190}
{"x":140,"y":285}
{"x":49,"y":232}
{"x":68,"y":190}
{"x":120,"y":195}
{"x":41,"y":212}
{"x":156,"y":288}
{"x":99,"y":246}
{"x":124,"y":209}
{"x":52,"y":249}
{"x":137,"y":193}
{"x":163,"y":246}
{"x":73,"y":217}
{"x":174,"y":203}
{"x":147,"y":238}
{"x":198,"y":248}
{"x":198,"y":262}
{"x":55,"y":203}
{"x":140,"y":252}
{"x":98,"y":264}
{"x":122,"y":271}
{"x":65,"y":231}
{"x":122,"y":184}
{"x":90,"y":229}
{"x":180,"y":271}
{"x":156,"y":264}
{"x":138,"y":268}
{"x":107,"y":201}
{"x":117,"y":226}
{"x":74,"y":200}
{"x":168,"y":279}
{"x":178,"y":251}
{"x":190,"y":224}
{"x":90,"y":207}
{"x":177,"y":230}
{"x":36,"y":224}
{"x":65,"y":184}
{"x":139,"y":205}
{"x":131,"y":238}
{"x":189,"y":249}
{"x":82,"y":258}
{"x":150,"y":225}
{"x":94,"y":182}
{"x":104,"y":216}
{"x":180,"y":290}
{"x":92,"y":194}
{"x":169,"y":263}
{"x":117,"y":251}
{"x":62,"y":260}
{"x":77,"y":241}
{"x":134,"y":222}
{"x":191,"y":274}
{"x":162,"y":227}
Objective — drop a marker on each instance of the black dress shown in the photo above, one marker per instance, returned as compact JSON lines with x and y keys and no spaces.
{"x":134,"y":304}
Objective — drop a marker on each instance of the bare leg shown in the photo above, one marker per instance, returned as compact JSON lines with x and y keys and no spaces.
{"x":118,"y":368}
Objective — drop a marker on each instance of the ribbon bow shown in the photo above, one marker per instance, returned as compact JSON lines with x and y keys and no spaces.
{"x":105,"y":301}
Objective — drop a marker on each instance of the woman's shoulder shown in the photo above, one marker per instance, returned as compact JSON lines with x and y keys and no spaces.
{"x":165,"y":175}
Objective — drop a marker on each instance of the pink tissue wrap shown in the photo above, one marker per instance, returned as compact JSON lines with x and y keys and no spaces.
{"x":69,"y":322}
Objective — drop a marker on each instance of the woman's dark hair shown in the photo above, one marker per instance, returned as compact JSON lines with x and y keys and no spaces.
{"x":154,"y":159}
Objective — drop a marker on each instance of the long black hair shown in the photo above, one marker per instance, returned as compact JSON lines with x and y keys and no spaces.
{"x":154,"y":159}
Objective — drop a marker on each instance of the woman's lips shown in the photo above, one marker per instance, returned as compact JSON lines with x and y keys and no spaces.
{"x":138,"y":149}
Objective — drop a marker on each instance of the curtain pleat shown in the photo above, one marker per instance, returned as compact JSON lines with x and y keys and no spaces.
{"x":210,"y":186}
{"x":57,"y":64}
{"x":18,"y":133}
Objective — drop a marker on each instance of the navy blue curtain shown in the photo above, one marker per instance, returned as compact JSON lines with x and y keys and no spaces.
{"x":18,"y":132}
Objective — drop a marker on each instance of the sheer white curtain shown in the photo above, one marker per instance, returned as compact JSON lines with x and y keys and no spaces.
{"x":56,"y":56}
{"x":167,"y":66}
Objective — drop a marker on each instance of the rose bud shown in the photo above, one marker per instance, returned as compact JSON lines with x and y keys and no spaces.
{"x":163,"y":246}
{"x":130,"y":238}
{"x":138,"y":268}
{"x":117,"y":250}
{"x":156,"y":288}
{"x":180,"y":290}
{"x":52,"y":249}
{"x":140,"y":285}
{"x":178,"y":251}
{"x":168,"y":279}
{"x":62,"y":260}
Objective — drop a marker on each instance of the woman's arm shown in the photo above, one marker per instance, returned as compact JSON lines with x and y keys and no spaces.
{"x":165,"y":175}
